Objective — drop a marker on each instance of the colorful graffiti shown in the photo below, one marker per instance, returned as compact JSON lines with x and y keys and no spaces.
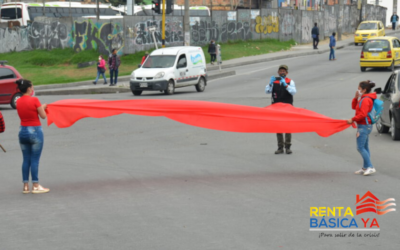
{"x":267,"y":24}
{"x":101,"y":36}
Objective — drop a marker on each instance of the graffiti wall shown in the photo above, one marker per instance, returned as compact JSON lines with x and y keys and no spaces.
{"x":132,"y":33}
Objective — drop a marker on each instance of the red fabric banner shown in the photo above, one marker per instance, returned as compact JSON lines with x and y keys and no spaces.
{"x":276,"y":118}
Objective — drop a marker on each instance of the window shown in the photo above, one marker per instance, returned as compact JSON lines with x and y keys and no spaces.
{"x":11,"y":13}
{"x":376,"y":45}
{"x":182,"y":61}
{"x":6,"y":74}
{"x":367,"y":26}
{"x":396,"y":43}
{"x":390,"y":84}
{"x":159,"y":62}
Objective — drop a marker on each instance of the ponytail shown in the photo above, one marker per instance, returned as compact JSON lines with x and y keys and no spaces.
{"x":367,"y":85}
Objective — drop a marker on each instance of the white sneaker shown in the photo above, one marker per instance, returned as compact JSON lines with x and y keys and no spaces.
{"x":369,"y":171}
{"x":361,"y":171}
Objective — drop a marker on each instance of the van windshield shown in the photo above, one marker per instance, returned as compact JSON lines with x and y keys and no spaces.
{"x":368,"y":26}
{"x":376,"y":45}
{"x":11,"y":13}
{"x":159,"y":62}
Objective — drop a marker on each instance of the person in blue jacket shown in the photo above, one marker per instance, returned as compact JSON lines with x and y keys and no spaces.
{"x":394,"y":19}
{"x":332,"y":45}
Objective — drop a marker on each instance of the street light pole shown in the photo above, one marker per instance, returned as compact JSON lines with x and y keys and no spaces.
{"x":186,"y":23}
{"x":97,"y":10}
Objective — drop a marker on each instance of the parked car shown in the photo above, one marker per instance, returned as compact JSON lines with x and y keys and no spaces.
{"x":390,"y":117}
{"x":9,"y":93}
{"x":380,"y":52}
{"x":169,"y":68}
{"x":367,"y":30}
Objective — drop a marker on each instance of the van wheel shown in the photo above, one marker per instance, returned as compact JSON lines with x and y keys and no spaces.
{"x":382,"y":129}
{"x":14,"y":100}
{"x":201,"y":85}
{"x":395,"y":132}
{"x":137,"y":92}
{"x":363,"y":69}
{"x":170,"y":88}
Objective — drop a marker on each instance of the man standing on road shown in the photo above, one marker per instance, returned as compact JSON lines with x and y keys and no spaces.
{"x":394,"y":19}
{"x":315,"y":36}
{"x":113,"y":62}
{"x":283,"y":90}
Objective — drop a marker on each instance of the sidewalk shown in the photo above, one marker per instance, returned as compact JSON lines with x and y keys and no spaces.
{"x":87,"y":87}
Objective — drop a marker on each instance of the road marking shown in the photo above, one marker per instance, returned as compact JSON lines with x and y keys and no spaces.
{"x":244,"y":73}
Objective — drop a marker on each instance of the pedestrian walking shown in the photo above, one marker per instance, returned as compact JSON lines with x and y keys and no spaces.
{"x":315,"y":35}
{"x":144,"y":57}
{"x":282,"y":89}
{"x":394,"y":19}
{"x":332,"y":45}
{"x":113,"y":63}
{"x":101,"y":70}
{"x":2,"y":124}
{"x":363,"y":102}
{"x":30,"y":135}
{"x":212,"y":50}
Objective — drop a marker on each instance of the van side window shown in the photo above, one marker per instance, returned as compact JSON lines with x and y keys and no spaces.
{"x":6,"y":74}
{"x":390,"y":84}
{"x":182,"y":61}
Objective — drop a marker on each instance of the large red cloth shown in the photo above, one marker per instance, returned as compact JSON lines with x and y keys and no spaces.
{"x":276,"y":118}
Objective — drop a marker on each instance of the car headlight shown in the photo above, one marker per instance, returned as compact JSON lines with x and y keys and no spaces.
{"x":373,"y":34}
{"x":159,"y":75}
{"x":133,"y":75}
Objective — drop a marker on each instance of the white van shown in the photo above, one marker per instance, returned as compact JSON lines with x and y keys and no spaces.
{"x":169,"y":68}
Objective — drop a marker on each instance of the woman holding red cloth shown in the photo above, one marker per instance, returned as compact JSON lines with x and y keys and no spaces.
{"x":30,"y":135}
{"x":363,"y":102}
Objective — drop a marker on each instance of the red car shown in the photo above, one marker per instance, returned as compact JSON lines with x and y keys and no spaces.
{"x":9,"y":93}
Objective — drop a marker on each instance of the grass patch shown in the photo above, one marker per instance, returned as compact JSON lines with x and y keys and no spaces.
{"x":60,"y":65}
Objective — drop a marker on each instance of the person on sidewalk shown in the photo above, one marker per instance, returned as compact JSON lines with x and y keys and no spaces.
{"x":363,"y":102}
{"x":212,"y":50}
{"x":394,"y":19}
{"x":30,"y":135}
{"x":146,"y":54}
{"x":283,"y":89}
{"x":332,"y":45}
{"x":2,"y":124}
{"x":315,"y":36}
{"x":113,"y":63}
{"x":101,"y":70}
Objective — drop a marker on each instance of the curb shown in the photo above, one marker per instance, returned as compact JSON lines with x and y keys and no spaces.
{"x":102,"y":90}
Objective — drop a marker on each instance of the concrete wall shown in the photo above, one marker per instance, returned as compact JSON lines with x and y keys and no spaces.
{"x":131,"y":34}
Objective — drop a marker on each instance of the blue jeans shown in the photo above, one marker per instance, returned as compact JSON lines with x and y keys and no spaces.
{"x":393,"y":26}
{"x":98,"y":75}
{"x":31,"y":142}
{"x":112,"y":72}
{"x":362,"y":144}
{"x":332,"y":54}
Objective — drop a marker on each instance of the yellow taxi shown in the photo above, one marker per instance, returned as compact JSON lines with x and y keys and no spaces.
{"x":367,"y":30}
{"x":380,"y":52}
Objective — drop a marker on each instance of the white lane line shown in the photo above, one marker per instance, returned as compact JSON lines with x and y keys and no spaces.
{"x":244,"y":73}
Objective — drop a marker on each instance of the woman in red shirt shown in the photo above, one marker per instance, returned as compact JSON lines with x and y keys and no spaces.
{"x":30,"y":135}
{"x":363,"y":102}
{"x":2,"y":125}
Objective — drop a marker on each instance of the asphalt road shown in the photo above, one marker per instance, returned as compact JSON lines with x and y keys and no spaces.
{"x":135,"y":182}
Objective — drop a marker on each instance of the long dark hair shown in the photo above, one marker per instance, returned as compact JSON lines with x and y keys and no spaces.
{"x":23,"y":85}
{"x":368,"y":85}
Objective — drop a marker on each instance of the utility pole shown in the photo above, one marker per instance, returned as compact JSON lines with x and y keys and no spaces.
{"x":163,"y":24}
{"x":97,"y":10}
{"x":186,"y":23}
{"x":43,"y":11}
{"x":394,"y":6}
{"x":340,"y":20}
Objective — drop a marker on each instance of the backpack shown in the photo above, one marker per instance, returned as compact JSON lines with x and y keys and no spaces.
{"x":376,"y":110}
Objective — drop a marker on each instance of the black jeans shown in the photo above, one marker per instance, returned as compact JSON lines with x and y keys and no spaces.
{"x":393,"y":26}
{"x":288,"y":140}
{"x":315,"y":42}
{"x":213,"y":57}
